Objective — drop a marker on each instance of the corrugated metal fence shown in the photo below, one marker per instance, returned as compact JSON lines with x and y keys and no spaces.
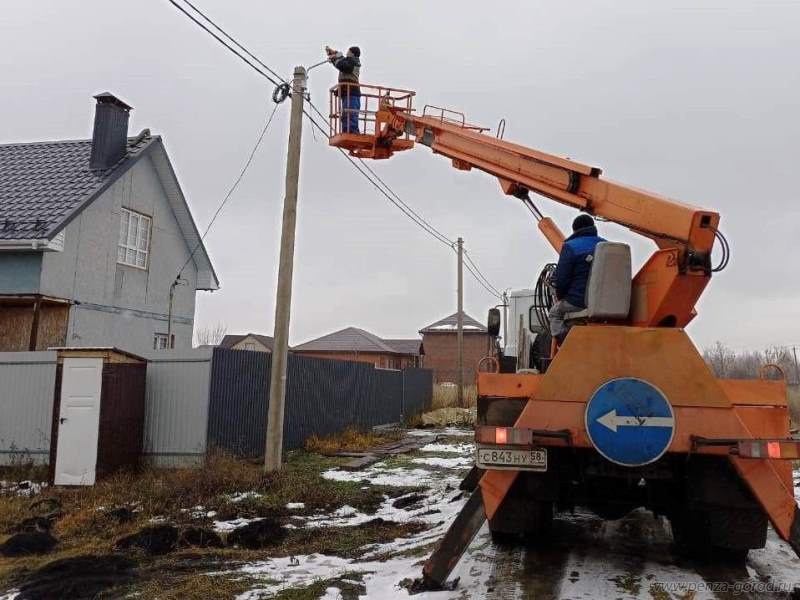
{"x":196,"y":399}
{"x":27,"y":385}
{"x":323,"y":397}
{"x":176,"y":407}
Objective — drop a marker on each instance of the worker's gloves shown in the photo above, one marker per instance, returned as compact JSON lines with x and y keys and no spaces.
{"x":332,"y":54}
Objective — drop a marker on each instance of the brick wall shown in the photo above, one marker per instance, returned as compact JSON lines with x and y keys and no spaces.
{"x":441,"y":355}
{"x":382,"y":361}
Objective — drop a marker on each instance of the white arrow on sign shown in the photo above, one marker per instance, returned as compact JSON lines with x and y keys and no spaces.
{"x":612,"y":421}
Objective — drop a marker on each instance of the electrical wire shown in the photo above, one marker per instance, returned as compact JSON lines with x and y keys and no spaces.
{"x":407,"y":210}
{"x":417,"y":217}
{"x":402,"y":206}
{"x":238,"y":45}
{"x":231,"y":190}
{"x":393,"y":197}
{"x":280,"y":93}
{"x":221,"y":41}
{"x":494,"y":290}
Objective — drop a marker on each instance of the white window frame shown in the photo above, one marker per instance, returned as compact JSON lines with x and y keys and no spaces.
{"x":250,"y":346}
{"x":133,"y":244}
{"x":161,"y":341}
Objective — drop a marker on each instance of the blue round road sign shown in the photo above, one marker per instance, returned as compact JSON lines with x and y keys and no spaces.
{"x":630,"y":421}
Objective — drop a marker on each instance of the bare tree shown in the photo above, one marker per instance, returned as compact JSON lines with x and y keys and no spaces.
{"x":210,"y":335}
{"x":747,"y":364}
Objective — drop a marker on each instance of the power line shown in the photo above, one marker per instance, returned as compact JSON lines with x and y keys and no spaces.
{"x":419,"y":218}
{"x":395,"y":199}
{"x":231,"y":190}
{"x":482,"y":276}
{"x":221,"y":41}
{"x":231,"y":38}
{"x":369,"y":174}
{"x":410,"y":214}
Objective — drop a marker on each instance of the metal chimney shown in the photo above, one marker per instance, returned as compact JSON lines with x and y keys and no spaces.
{"x":110,"y":135}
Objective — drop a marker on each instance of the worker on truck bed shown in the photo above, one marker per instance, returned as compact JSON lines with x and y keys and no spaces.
{"x":572,"y":273}
{"x":349,"y":90}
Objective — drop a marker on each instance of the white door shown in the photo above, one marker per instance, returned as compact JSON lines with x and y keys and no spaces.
{"x":79,"y":420}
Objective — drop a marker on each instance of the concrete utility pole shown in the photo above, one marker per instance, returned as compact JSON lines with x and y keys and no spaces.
{"x":460,"y":321}
{"x":283,"y":297}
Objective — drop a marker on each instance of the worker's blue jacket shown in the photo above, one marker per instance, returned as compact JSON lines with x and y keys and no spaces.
{"x":574,"y":265}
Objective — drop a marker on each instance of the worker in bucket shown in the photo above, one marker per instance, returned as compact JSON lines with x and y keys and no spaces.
{"x":349,"y":91}
{"x":572,"y":273}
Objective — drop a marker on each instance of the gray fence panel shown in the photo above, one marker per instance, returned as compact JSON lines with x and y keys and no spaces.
{"x":417,"y":390}
{"x":176,"y":409}
{"x":324,"y":397}
{"x":387,"y":401}
{"x":27,"y":386}
{"x":237,"y":414}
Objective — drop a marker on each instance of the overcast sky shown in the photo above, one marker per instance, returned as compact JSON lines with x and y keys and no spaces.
{"x":695,"y":100}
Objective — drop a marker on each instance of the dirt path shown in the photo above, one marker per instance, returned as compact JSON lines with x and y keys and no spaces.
{"x":586,"y":558}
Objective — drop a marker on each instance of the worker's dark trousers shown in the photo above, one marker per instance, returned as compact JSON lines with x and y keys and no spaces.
{"x":351,"y":105}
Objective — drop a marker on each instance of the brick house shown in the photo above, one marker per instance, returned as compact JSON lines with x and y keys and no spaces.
{"x":248,"y":341}
{"x":359,"y":345}
{"x":440,"y":340}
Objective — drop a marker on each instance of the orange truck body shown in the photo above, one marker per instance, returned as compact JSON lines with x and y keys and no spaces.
{"x":734,"y":419}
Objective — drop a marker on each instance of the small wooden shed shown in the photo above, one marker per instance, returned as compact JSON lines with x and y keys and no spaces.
{"x":98,"y":414}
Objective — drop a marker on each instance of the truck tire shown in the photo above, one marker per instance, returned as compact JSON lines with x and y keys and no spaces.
{"x":520,"y":520}
{"x":722,"y":534}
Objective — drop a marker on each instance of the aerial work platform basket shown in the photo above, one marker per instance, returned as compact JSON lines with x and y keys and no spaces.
{"x":358,"y":121}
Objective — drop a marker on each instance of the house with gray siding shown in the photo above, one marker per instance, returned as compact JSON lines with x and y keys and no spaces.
{"x":98,"y":246}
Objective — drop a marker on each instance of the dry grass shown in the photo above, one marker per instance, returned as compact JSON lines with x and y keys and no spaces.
{"x":85,"y":526}
{"x":446,"y":396}
{"x":350,"y":440}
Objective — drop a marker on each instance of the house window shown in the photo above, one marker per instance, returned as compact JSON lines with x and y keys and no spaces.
{"x":249,"y":346}
{"x":161,"y":341}
{"x":134,"y":239}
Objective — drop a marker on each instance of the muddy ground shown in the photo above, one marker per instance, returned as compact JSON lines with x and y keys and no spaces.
{"x":585,"y":558}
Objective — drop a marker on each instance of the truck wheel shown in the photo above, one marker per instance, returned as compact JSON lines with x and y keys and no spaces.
{"x":539,"y":524}
{"x":691,"y":533}
{"x":721,"y":533}
{"x":529,"y":521}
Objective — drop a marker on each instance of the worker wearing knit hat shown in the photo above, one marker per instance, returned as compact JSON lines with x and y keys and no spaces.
{"x":572,"y":273}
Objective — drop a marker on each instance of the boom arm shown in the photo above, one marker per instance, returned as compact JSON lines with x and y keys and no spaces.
{"x":521,"y":169}
{"x":666,"y":289}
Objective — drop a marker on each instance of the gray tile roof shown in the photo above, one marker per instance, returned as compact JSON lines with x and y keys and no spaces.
{"x":230,"y":340}
{"x":412,"y":347}
{"x":351,"y":339}
{"x":43,"y":183}
{"x":450,"y":325}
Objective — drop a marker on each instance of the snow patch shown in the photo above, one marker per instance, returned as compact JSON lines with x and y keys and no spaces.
{"x":398,"y":477}
{"x":458,"y":462}
{"x":227,"y":526}
{"x":22,"y":488}
{"x":449,"y":448}
{"x":295,"y":505}
{"x":446,"y":432}
{"x":243,"y":496}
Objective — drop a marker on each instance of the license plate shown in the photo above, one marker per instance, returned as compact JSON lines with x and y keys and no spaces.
{"x":494,"y":457}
